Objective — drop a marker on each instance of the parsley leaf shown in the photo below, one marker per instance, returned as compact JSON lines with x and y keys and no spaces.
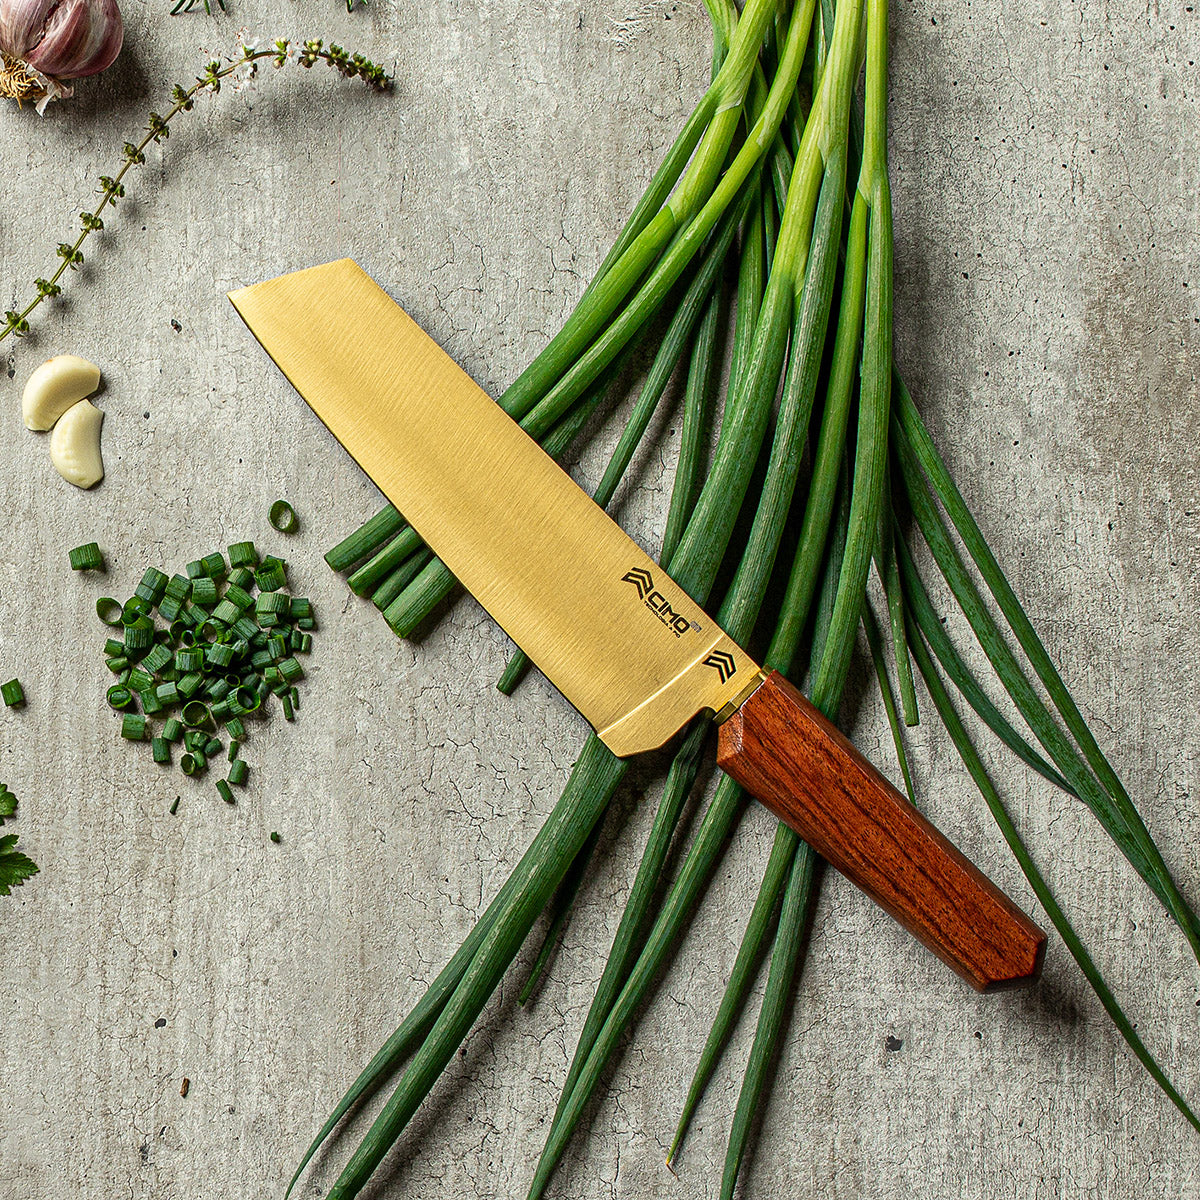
{"x":8,"y":803}
{"x":15,"y":867}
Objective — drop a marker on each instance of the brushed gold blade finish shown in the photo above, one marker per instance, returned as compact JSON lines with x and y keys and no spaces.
{"x":604,"y":622}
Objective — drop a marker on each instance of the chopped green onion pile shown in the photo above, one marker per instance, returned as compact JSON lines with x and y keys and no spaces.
{"x":203,"y":654}
{"x":775,"y":181}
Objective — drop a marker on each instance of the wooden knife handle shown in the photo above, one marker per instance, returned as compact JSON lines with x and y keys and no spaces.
{"x":788,"y":756}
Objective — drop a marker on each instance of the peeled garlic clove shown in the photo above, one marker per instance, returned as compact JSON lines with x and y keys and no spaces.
{"x":56,"y":385}
{"x":75,"y":445}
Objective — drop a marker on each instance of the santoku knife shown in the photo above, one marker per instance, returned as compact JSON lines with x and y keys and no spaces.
{"x":604,"y":622}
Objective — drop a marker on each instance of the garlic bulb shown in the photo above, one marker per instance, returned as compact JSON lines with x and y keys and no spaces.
{"x":75,"y":445}
{"x":43,"y":43}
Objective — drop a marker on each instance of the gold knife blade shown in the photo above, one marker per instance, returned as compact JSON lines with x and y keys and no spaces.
{"x":603,"y":621}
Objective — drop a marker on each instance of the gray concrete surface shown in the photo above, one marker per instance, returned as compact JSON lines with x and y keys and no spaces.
{"x":1047,"y":241}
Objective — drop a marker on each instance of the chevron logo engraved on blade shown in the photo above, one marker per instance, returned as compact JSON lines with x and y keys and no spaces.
{"x":656,"y":602}
{"x":641,"y":579}
{"x":722,"y":662}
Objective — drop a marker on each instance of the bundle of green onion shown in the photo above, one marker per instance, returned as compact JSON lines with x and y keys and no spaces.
{"x":218,"y":657}
{"x":777,"y":181}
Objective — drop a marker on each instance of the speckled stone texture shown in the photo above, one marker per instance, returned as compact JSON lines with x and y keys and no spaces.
{"x":1048,"y":231}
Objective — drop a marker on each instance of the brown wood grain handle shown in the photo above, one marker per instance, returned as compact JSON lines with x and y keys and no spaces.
{"x":788,"y":756}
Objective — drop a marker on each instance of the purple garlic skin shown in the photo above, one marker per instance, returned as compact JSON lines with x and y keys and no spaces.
{"x":62,"y":39}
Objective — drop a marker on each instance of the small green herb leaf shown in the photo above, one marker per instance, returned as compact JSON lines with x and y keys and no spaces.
{"x":15,"y":867}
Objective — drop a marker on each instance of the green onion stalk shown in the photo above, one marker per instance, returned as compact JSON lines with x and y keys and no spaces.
{"x":792,"y":199}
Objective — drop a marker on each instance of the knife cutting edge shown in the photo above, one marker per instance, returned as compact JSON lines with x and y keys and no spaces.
{"x":603,"y":621}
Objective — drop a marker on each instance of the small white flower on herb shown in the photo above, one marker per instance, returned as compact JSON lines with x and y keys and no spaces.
{"x":244,"y":71}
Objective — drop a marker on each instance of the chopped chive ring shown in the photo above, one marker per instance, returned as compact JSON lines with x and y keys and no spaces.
{"x":139,"y":636}
{"x":189,"y":659}
{"x":133,"y":727}
{"x":109,"y":610}
{"x":283,"y":517}
{"x":204,"y":592}
{"x":196,"y":714}
{"x":86,"y":558}
{"x":214,"y":566}
{"x":139,"y":680}
{"x":153,"y":586}
{"x":160,"y":749}
{"x":158,"y":657}
{"x":270,"y":578}
{"x":238,"y":771}
{"x":225,"y":790}
{"x":275,"y":837}
{"x":291,"y":670}
{"x":119,"y":697}
{"x":135,"y":606}
{"x":189,"y":764}
{"x":12,"y":693}
{"x":190,"y":684}
{"x":243,"y":554}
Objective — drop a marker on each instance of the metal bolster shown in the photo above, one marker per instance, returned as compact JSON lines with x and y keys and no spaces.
{"x":727,"y":710}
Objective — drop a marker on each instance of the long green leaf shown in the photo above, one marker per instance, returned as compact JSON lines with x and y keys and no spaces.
{"x":1121,"y":822}
{"x":794,"y":919}
{"x":922,"y":446}
{"x":694,"y":428}
{"x":875,"y":646}
{"x":741,"y":976}
{"x":1045,"y":896}
{"x":923,"y":613}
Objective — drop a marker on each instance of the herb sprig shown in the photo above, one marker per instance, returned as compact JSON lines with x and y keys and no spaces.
{"x":112,"y":188}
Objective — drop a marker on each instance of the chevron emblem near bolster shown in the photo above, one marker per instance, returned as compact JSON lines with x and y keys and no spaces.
{"x":641,"y":579}
{"x":722,"y":662}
